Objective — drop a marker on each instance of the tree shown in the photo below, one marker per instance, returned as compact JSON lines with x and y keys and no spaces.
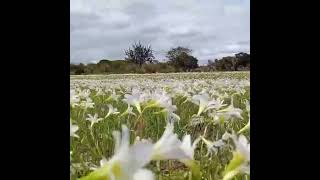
{"x":80,"y":69}
{"x":139,"y":54}
{"x":243,"y":59}
{"x":174,"y":53}
{"x":226,"y":63}
{"x":212,"y":65}
{"x":188,"y":62}
{"x":180,"y":58}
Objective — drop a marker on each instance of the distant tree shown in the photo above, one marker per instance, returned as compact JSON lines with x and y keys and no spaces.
{"x":234,"y":62}
{"x":242,"y":55}
{"x":90,"y":68}
{"x":180,"y":57}
{"x":73,"y":68}
{"x":211,"y":65}
{"x":104,"y":61}
{"x":174,"y":53}
{"x":225,"y":64}
{"x":139,"y":54}
{"x":188,"y":62}
{"x":80,"y":69}
{"x":179,"y":60}
{"x":243,"y":59}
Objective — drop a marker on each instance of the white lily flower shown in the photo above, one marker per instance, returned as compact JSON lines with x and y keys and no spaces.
{"x":231,"y":112}
{"x":216,"y":104}
{"x":93,"y":119}
{"x":172,"y":117}
{"x":134,"y":99}
{"x":70,"y":156}
{"x":112,"y":111}
{"x":127,"y":162}
{"x":99,"y":92}
{"x":128,"y":111}
{"x":247,"y":103}
{"x":240,"y":162}
{"x":241,"y":91}
{"x":205,"y":104}
{"x":202,"y":101}
{"x":187,"y":147}
{"x":74,"y":98}
{"x":103,"y":161}
{"x":162,"y":99}
{"x":85,"y":93}
{"x":188,"y":150}
{"x":242,"y":146}
{"x":87,"y":103}
{"x":114,"y":96}
{"x":212,"y":147}
{"x":226,"y":136}
{"x":143,"y":174}
{"x":168,"y":146}
{"x":73,"y":130}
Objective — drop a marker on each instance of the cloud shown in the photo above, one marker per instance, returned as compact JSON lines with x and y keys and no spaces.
{"x":103,"y":29}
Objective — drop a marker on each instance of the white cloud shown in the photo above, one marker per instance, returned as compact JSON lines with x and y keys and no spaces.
{"x":102,"y":29}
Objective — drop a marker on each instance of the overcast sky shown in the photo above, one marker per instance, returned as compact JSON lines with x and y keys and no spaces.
{"x":103,"y":29}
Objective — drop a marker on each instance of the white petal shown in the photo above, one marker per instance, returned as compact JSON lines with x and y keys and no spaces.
{"x":245,"y":169}
{"x":186,"y":146}
{"x":174,"y":153}
{"x":226,"y":136}
{"x":103,"y":161}
{"x":141,"y":152}
{"x":196,"y":142}
{"x":218,"y":143}
{"x":143,"y":174}
{"x":125,"y":137}
{"x":243,"y":140}
{"x":186,"y":140}
{"x":117,"y":138}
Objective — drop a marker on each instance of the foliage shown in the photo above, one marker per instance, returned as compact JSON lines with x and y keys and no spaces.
{"x":180,"y":62}
{"x":139,"y":54}
{"x":180,"y":57}
{"x":241,"y":61}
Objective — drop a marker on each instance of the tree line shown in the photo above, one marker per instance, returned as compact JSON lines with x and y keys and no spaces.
{"x":140,"y":59}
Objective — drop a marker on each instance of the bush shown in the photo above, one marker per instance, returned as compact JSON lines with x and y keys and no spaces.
{"x":239,"y":62}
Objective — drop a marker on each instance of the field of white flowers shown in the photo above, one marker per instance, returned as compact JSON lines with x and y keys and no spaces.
{"x":160,"y":126}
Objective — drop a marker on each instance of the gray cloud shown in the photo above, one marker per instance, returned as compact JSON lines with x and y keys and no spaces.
{"x":212,"y":28}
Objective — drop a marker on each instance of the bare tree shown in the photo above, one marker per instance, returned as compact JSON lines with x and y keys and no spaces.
{"x":139,"y":54}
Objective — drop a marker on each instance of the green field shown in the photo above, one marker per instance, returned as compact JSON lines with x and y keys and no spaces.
{"x":163,"y":114}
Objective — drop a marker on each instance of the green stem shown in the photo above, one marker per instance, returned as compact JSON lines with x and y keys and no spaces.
{"x":94,"y":142}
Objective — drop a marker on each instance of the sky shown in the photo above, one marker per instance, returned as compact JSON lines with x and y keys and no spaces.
{"x":103,"y":29}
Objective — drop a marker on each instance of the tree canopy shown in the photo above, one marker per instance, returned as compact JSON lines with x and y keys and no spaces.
{"x":180,"y":57}
{"x":139,"y":54}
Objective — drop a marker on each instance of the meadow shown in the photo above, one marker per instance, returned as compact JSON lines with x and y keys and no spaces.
{"x":175,"y":126}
